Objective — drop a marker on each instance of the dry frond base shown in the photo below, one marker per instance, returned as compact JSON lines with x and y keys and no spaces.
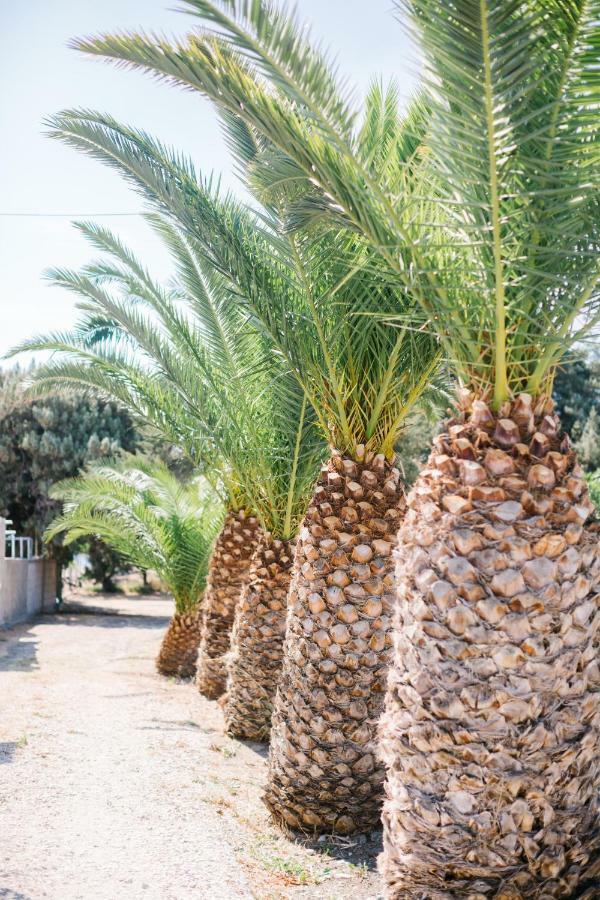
{"x":254,"y":663}
{"x":491,"y":734}
{"x":179,"y":648}
{"x":226,"y":577}
{"x":324,"y":775}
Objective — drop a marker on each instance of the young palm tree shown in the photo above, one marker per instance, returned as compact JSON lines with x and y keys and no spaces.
{"x":490,"y":736}
{"x":245,"y":405}
{"x":189,"y":367}
{"x":141,"y":510}
{"x":319,"y":299}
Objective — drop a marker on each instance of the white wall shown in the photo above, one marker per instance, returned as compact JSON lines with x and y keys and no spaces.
{"x":27,"y":586}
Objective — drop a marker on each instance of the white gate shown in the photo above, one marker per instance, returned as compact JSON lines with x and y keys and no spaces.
{"x":17,"y":547}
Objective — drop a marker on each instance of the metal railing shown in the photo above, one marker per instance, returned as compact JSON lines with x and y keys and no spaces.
{"x":18,"y":547}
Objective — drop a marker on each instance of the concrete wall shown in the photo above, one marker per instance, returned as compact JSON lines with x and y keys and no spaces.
{"x":27,"y":586}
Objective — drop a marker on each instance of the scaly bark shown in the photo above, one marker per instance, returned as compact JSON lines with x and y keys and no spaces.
{"x":228,"y":568}
{"x":179,"y":648}
{"x":491,"y":732}
{"x":254,"y":663}
{"x":323,"y":771}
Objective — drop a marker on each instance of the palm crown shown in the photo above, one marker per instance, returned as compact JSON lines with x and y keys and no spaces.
{"x":322,"y":298}
{"x":141,"y":510}
{"x":213,"y":381}
{"x":499,"y":244}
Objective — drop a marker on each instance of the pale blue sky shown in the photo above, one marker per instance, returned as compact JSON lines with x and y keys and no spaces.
{"x":40,"y":76}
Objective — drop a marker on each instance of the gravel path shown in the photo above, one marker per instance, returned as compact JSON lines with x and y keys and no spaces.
{"x":97,"y":795}
{"x":117,"y":784}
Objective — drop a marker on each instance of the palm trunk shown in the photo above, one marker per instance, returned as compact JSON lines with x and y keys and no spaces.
{"x":256,"y":654}
{"x":179,"y":648}
{"x":491,"y":732}
{"x":228,"y":569}
{"x":323,"y":771}
{"x":58,"y":575}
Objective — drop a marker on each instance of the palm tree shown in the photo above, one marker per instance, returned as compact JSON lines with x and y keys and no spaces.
{"x":490,"y":736}
{"x":191,"y":374}
{"x":320,"y":301}
{"x":246,"y":409}
{"x":144,"y":513}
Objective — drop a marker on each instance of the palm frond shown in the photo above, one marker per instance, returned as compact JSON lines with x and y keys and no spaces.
{"x":321,"y":299}
{"x":280,"y":44}
{"x":515,"y":152}
{"x":83,"y":364}
{"x":145,"y":514}
{"x":498,"y":238}
{"x":192,"y":362}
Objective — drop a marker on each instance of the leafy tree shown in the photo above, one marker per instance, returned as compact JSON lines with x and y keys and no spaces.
{"x":588,"y":445}
{"x":577,"y":396}
{"x":44,"y":441}
{"x":593,"y":481}
{"x":577,"y":393}
{"x":104,"y":565}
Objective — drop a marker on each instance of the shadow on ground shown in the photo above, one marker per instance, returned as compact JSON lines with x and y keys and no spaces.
{"x":18,"y":648}
{"x":18,"y":651}
{"x":260,"y":749}
{"x":97,"y":617}
{"x":175,"y":725}
{"x":9,"y":894}
{"x":360,"y":850}
{"x":7,"y":751}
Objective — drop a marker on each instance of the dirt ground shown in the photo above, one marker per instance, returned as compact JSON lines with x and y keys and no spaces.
{"x":117,"y":784}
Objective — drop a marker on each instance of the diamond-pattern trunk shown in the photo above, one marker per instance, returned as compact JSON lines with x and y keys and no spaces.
{"x":179,"y":648}
{"x":323,"y":771}
{"x":228,"y":568}
{"x":254,"y":662}
{"x":491,"y":732}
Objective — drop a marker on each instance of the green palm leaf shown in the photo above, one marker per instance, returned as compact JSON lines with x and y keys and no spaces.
{"x":147,"y":516}
{"x":322,"y":299}
{"x":499,"y":242}
{"x":191,"y":363}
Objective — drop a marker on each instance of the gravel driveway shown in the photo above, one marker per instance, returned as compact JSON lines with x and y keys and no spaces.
{"x":117,"y":784}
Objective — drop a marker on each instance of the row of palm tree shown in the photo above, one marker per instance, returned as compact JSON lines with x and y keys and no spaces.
{"x":190,"y":361}
{"x":379,"y":254}
{"x":360,"y":380}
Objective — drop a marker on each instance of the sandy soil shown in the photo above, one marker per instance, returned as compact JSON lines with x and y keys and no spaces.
{"x":117,"y":784}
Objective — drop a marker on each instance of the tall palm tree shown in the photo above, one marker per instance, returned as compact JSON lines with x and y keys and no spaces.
{"x":490,"y":736}
{"x":495,"y":557}
{"x":141,"y":510}
{"x":244,"y":407}
{"x":319,"y":300}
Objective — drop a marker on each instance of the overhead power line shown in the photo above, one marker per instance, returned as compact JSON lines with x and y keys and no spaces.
{"x":35,"y":215}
